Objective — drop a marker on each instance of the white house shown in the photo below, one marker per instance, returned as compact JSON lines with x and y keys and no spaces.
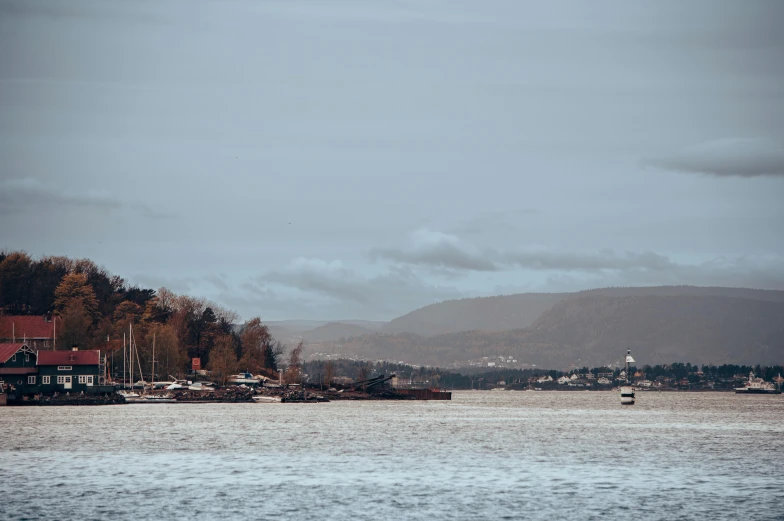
{"x":564,"y":380}
{"x":544,"y":379}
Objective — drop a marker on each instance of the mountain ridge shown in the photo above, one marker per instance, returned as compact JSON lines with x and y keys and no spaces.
{"x":597,"y":329}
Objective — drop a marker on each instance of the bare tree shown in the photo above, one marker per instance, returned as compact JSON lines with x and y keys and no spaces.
{"x":295,"y":364}
{"x":223,"y":360}
{"x":329,"y":372}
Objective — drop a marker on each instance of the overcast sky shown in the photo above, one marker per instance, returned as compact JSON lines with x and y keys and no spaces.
{"x":359,"y":159}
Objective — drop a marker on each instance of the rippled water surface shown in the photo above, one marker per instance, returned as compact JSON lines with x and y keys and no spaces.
{"x":484,"y":455}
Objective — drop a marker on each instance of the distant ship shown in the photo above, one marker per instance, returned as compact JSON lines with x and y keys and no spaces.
{"x":757,"y":386}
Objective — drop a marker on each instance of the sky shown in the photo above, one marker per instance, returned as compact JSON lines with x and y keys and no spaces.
{"x":359,"y":159}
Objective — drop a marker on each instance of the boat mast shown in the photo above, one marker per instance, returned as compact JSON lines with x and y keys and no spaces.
{"x":138,"y":361}
{"x":152,"y":374}
{"x":124,"y":380}
{"x":130,"y":353}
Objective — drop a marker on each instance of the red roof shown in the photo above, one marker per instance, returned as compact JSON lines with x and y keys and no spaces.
{"x":26,"y":326}
{"x":8,"y":350}
{"x":69,"y":357}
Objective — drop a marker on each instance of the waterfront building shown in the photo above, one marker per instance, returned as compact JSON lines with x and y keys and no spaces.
{"x":70,"y":371}
{"x":18,"y":369}
{"x":37,"y":331}
{"x":25,"y":372}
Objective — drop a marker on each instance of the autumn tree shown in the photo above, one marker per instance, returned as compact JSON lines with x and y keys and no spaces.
{"x":169,"y":358}
{"x":294,"y":368}
{"x":76,"y":322}
{"x":329,"y":372}
{"x":73,"y":289}
{"x":127,"y":311}
{"x":254,"y":339}
{"x":223,"y":360}
{"x":156,"y":311}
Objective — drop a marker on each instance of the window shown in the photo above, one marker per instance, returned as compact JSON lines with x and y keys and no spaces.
{"x":31,"y":380}
{"x":46,"y":380}
{"x":82,"y":379}
{"x":27,"y":358}
{"x":13,"y":358}
{"x":46,"y":343}
{"x":61,"y":380}
{"x":64,"y":368}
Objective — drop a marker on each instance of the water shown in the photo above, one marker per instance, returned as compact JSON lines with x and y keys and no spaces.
{"x":484,"y":455}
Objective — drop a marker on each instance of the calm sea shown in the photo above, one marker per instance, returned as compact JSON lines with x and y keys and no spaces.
{"x":484,"y":455}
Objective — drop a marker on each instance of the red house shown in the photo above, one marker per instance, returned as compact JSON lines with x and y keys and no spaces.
{"x":38,"y":332}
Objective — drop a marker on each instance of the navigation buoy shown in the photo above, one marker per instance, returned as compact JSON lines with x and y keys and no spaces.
{"x":627,"y":391}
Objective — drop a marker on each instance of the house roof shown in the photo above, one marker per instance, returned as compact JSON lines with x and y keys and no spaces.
{"x":69,"y":357}
{"x":26,"y":326}
{"x":8,"y":350}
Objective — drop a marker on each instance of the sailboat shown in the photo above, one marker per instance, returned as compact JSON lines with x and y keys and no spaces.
{"x":627,"y":391}
{"x":130,"y":396}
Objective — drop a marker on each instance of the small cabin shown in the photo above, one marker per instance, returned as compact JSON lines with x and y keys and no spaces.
{"x":18,"y":371}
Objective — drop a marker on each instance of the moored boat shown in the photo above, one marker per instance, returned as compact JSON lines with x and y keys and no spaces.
{"x":261,"y":398}
{"x":757,"y":386}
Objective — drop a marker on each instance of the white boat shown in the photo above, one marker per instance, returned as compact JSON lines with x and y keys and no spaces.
{"x":757,"y":386}
{"x":201,"y":386}
{"x":260,"y":398}
{"x":244,"y":378}
{"x":130,"y":396}
{"x":627,"y":391}
{"x":158,"y":398}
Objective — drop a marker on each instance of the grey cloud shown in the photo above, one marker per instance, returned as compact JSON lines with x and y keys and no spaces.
{"x":151,"y":213}
{"x":334,"y":290}
{"x":435,"y":249}
{"x":17,"y":194}
{"x":78,"y":9}
{"x":218,"y":280}
{"x":493,"y":222}
{"x":604,"y":260}
{"x":765,"y":272}
{"x":741,"y":157}
{"x":445,"y":253}
{"x":21,"y":192}
{"x":184,"y":285}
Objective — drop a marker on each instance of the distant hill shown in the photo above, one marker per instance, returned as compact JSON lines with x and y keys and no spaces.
{"x":594,"y":329}
{"x":292,"y":331}
{"x":519,"y":311}
{"x":333,"y":331}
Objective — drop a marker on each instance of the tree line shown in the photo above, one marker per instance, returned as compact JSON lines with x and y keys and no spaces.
{"x":324,"y":371}
{"x":94,"y":309}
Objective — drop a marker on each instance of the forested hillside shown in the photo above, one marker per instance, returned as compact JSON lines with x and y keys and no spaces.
{"x":94,"y":309}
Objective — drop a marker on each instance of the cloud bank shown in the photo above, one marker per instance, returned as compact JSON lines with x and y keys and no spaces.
{"x":737,"y":157}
